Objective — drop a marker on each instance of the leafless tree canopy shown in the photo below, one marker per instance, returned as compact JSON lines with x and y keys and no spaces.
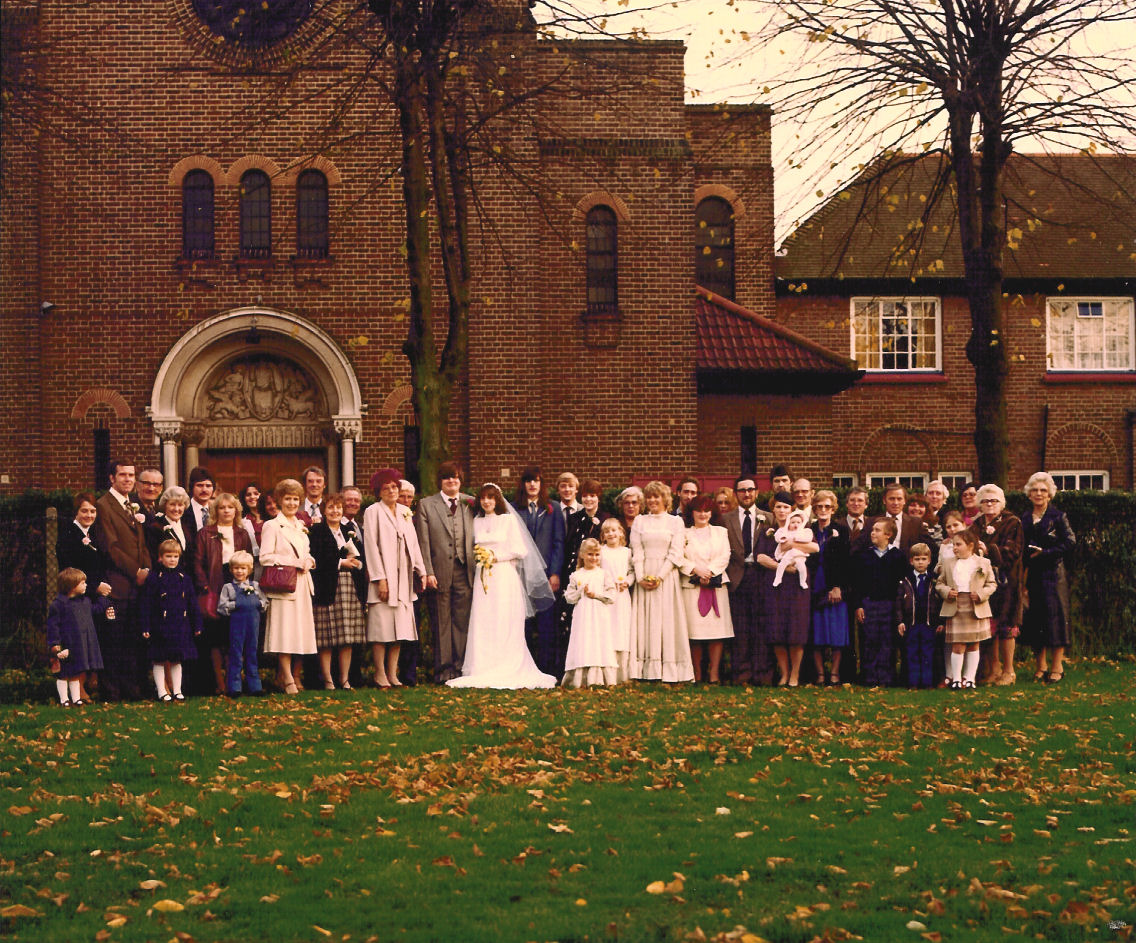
{"x":972,"y":80}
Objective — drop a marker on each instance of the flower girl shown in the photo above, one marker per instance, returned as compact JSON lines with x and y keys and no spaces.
{"x":616,"y":558}
{"x":591,"y":655}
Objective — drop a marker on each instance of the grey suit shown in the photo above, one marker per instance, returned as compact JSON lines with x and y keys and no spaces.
{"x":751,"y":664}
{"x":452,"y":563}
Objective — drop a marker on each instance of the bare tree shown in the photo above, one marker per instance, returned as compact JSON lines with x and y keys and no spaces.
{"x":969,"y":79}
{"x":463,"y":97}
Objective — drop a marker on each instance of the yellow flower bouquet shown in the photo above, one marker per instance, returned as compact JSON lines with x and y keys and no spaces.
{"x":485,"y":559}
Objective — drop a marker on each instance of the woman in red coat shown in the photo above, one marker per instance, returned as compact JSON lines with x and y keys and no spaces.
{"x":216,"y":544}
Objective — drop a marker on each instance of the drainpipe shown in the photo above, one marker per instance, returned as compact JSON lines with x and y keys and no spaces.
{"x":1044,"y":434}
{"x":1130,"y":422}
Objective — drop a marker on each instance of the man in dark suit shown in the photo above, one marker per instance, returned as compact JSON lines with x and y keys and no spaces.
{"x":196,"y":517}
{"x":121,"y":538}
{"x":751,"y":663}
{"x":545,"y":524}
{"x":445,"y":533}
{"x":909,"y":530}
{"x":856,"y":519}
{"x":314,"y":480}
{"x":149,"y":487}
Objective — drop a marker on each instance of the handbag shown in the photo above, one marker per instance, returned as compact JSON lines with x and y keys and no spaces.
{"x":279,"y":579}
{"x":207,"y":601}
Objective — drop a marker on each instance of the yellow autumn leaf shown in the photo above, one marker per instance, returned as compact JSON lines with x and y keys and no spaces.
{"x":152,"y":884}
{"x":168,"y":906}
{"x":19,"y":910}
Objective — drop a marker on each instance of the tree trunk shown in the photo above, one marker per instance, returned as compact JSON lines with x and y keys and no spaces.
{"x":983,"y":234}
{"x":432,"y":392}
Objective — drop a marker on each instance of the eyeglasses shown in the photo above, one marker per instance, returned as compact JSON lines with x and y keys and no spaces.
{"x":823,"y":507}
{"x":988,"y":501}
{"x":744,"y":490}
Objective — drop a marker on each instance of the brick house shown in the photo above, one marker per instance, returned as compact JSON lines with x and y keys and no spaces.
{"x":869,"y":274}
{"x":191,"y":276}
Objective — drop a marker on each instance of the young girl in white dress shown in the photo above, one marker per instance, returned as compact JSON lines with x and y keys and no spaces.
{"x":509,"y":571}
{"x":616,"y":558}
{"x":591,"y":592}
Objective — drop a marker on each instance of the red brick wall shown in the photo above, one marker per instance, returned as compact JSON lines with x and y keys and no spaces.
{"x":613,"y":400}
{"x":928,"y":426}
{"x":797,"y":431}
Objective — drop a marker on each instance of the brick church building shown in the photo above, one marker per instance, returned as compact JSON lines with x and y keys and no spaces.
{"x":200,"y":260}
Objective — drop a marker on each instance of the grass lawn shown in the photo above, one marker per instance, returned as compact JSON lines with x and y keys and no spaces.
{"x":640,"y":813}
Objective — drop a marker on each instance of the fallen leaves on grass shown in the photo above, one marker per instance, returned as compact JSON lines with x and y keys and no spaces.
{"x":668,"y":887}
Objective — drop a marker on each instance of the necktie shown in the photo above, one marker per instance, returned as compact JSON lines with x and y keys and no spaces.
{"x":453,"y":506}
{"x":205,"y":517}
{"x":856,"y":526}
{"x":922,"y":580}
{"x":747,"y":534}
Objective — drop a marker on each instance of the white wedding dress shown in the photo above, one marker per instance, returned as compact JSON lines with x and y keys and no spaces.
{"x":496,"y":655}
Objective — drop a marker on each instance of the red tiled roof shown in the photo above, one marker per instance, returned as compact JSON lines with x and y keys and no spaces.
{"x":1067,"y":216}
{"x":731,"y":337}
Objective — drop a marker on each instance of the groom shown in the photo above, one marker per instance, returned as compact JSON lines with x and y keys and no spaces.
{"x":445,"y":533}
{"x":546,"y":525}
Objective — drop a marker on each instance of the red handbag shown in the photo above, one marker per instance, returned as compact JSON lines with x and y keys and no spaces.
{"x":279,"y":579}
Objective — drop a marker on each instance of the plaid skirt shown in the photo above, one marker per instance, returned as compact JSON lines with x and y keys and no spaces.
{"x":342,"y":622}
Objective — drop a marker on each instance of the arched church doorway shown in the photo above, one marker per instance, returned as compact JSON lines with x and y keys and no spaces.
{"x":257,"y":395}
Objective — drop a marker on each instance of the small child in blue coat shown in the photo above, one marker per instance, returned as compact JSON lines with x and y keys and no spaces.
{"x":170,"y":617}
{"x":71,"y":637}
{"x":242,"y":601}
{"x":918,"y":605}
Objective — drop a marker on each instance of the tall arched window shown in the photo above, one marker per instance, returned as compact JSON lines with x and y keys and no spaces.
{"x":714,"y":246}
{"x":197,"y":215}
{"x":311,"y":215}
{"x":602,"y":262}
{"x":256,"y":215}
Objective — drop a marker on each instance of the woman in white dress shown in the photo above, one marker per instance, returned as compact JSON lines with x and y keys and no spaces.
{"x":394,"y":559}
{"x":506,"y":590}
{"x":705,"y":559}
{"x":660,"y":647}
{"x":291,"y":629}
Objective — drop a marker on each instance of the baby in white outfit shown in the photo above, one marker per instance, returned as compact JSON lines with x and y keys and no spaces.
{"x":793,"y":532}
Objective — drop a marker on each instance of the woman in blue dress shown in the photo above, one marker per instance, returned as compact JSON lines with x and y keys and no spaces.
{"x":828,"y":576}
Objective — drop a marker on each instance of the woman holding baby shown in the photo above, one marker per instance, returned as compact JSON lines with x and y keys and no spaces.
{"x":786,"y":600}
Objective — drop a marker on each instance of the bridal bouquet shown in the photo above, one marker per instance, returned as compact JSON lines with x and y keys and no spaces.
{"x":485,"y":559}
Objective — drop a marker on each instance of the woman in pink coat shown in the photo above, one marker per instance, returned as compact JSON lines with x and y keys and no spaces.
{"x":394,"y":563}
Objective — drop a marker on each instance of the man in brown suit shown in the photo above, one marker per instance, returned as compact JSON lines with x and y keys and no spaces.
{"x":121,"y":539}
{"x":445,"y":533}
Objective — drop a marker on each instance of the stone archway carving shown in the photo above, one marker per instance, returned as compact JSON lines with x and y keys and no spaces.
{"x":257,"y":378}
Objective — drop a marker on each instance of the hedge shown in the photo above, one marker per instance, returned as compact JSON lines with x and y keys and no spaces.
{"x":1102,"y":569}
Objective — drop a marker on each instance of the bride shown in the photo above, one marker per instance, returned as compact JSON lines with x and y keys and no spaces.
{"x":509,"y":586}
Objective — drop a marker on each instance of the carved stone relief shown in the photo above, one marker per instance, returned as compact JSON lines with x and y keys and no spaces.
{"x":260,"y":389}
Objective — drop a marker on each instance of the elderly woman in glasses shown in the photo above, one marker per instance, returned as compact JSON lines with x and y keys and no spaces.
{"x":1000,"y":536}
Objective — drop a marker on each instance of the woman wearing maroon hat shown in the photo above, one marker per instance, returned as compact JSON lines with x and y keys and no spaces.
{"x":394,"y":561}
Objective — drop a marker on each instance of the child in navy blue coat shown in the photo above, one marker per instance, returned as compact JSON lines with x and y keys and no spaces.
{"x":918,"y":606}
{"x":169,"y":617}
{"x":71,"y":637}
{"x":243,"y":602}
{"x":876,"y":572}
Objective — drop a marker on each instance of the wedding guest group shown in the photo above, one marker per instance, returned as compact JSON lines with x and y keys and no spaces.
{"x":674,"y":587}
